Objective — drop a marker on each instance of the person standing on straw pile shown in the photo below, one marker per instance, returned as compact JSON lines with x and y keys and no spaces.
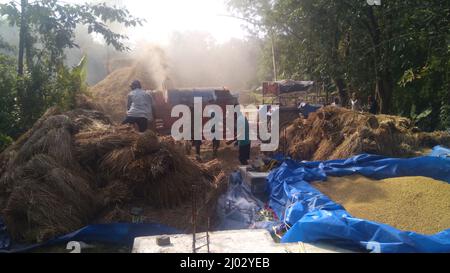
{"x":336,"y":102}
{"x":355,"y":103}
{"x":372,"y":105}
{"x":242,"y":140}
{"x":139,"y":107}
{"x":215,"y":141}
{"x":245,"y":144}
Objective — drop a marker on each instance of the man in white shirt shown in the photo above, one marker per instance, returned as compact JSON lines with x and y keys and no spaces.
{"x":355,"y":103}
{"x":139,"y":107}
{"x":336,"y":102}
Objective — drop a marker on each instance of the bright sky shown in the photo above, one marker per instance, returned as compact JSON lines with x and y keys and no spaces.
{"x":166,"y":16}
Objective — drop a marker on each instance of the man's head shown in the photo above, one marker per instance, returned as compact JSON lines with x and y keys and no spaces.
{"x":135,"y":85}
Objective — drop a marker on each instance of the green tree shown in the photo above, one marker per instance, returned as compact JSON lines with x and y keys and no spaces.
{"x":46,"y":31}
{"x":398,"y":51}
{"x":51,"y":25}
{"x":9,"y":118}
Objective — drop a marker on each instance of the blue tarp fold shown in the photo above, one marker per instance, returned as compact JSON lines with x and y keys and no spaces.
{"x":122,"y":234}
{"x":238,"y":207}
{"x":440,"y":151}
{"x":313,"y":217}
{"x":5,"y":240}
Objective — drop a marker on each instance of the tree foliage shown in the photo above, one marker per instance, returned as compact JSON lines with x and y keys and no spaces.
{"x":9,"y":114}
{"x":51,"y":25}
{"x":398,"y":51}
{"x":39,"y":78}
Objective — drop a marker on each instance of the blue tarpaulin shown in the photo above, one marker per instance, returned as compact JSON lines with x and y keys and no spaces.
{"x":314,"y":217}
{"x":440,"y":151}
{"x":5,"y":240}
{"x":122,"y":234}
{"x":238,"y":207}
{"x":306,"y":109}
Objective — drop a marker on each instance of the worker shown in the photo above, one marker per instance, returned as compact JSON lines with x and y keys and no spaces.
{"x":355,"y":103}
{"x":197,"y":143}
{"x":336,"y":102}
{"x":139,"y":107}
{"x":244,"y":144}
{"x":372,"y":105}
{"x":215,"y":142}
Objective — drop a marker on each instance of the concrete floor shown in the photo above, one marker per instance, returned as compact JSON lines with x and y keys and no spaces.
{"x":239,"y":241}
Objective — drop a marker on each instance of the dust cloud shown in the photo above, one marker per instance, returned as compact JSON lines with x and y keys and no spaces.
{"x":190,"y":59}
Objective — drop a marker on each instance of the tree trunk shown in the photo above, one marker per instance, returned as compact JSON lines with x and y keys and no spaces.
{"x":28,"y":52}
{"x":342,"y":90}
{"x":384,"y":93}
{"x":274,"y":59}
{"x":22,"y":36}
{"x":383,"y":76}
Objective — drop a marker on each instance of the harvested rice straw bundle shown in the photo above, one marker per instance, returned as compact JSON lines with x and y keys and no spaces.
{"x":352,"y":133}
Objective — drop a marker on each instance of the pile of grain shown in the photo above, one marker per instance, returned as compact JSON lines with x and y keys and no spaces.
{"x":76,"y":168}
{"x":417,"y":204}
{"x":338,"y":133}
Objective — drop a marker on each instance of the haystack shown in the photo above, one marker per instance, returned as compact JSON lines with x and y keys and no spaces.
{"x":338,"y":133}
{"x":46,"y":190}
{"x":74,"y":168}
